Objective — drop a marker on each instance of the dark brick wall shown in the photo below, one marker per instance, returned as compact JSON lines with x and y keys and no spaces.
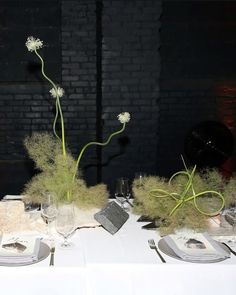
{"x":129,"y":63}
{"x":169,"y":63}
{"x":198,"y":77}
{"x":20,"y":19}
{"x":25,"y":107}
{"x":131,"y":66}
{"x":79,"y":78}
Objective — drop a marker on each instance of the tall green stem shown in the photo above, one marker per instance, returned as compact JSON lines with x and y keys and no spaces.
{"x":58,"y":106}
{"x":95,"y":143}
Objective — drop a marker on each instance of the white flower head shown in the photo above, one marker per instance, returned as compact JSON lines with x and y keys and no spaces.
{"x":59,"y":92}
{"x":33,"y":43}
{"x":124,"y":117}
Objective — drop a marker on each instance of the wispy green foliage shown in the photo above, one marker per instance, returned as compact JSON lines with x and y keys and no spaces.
{"x":59,"y":171}
{"x":230,"y":192}
{"x":56,"y":174}
{"x":157,"y":197}
{"x":156,"y":207}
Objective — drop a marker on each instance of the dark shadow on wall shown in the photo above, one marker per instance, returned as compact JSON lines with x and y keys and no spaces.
{"x":198,"y":57}
{"x":14,"y":175}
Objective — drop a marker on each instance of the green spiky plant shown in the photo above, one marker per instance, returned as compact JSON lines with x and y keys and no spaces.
{"x":58,"y":169}
{"x":187,"y":200}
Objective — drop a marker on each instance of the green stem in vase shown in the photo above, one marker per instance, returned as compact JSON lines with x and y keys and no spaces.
{"x":33,"y":45}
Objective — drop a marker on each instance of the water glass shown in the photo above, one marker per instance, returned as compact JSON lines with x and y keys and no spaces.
{"x":123,"y":191}
{"x":65,"y":223}
{"x":139,"y":176}
{"x":230,"y":217}
{"x":49,"y":211}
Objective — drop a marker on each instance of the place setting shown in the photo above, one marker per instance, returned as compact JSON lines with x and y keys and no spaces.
{"x":188,"y":245}
{"x":28,"y":237}
{"x":22,"y":250}
{"x":193,"y":247}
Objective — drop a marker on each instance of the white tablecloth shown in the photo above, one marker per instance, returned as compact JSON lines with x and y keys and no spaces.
{"x":101,"y":263}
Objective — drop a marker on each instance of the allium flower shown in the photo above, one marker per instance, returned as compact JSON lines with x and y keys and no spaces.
{"x":124,"y":117}
{"x":59,"y":92}
{"x":33,"y":44}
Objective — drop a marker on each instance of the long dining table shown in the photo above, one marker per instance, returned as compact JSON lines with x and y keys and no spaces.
{"x":123,"y":263}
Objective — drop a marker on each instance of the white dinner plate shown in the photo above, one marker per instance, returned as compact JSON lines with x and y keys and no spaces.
{"x":44,"y":251}
{"x":164,"y":247}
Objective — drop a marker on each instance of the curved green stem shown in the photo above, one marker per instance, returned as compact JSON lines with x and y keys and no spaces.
{"x":194,"y":197}
{"x":212,"y":192}
{"x":55,"y":122}
{"x":164,"y":193}
{"x":189,"y":183}
{"x":176,"y":174}
{"x":183,"y":196}
{"x":95,"y":143}
{"x":179,"y":203}
{"x":58,"y":106}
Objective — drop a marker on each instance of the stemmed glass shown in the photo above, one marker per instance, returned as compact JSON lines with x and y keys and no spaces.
{"x":48,"y":212}
{"x":122,"y":192}
{"x":65,"y":223}
{"x":139,"y":176}
{"x":230,"y":216}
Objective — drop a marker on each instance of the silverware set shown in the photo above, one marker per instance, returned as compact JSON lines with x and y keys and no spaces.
{"x":153,"y":246}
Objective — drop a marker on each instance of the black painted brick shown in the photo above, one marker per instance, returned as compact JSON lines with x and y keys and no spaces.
{"x":130,"y":73}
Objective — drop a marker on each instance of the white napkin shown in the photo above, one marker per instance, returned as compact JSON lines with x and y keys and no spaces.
{"x":196,"y":247}
{"x":15,"y":249}
{"x":12,"y":197}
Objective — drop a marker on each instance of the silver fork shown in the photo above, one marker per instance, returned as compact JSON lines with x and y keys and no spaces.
{"x":230,"y":249}
{"x":153,"y":246}
{"x":52,"y":251}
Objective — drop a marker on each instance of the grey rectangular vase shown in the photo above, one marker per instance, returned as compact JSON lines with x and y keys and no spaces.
{"x":112,"y":217}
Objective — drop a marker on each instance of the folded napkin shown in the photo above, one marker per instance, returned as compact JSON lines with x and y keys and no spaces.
{"x":12,"y":197}
{"x":16,"y":249}
{"x":196,"y":247}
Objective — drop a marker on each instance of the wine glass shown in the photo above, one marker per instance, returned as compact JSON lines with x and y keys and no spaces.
{"x":122,"y":192}
{"x":49,"y":211}
{"x":230,"y":217}
{"x":139,"y":176}
{"x":65,"y":223}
